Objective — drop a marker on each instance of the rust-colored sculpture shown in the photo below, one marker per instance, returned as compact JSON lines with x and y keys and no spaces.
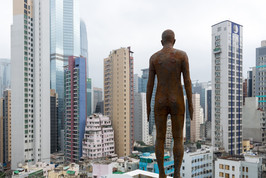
{"x":168,"y":64}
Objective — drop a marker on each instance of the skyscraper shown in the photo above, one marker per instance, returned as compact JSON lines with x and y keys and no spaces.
{"x":65,"y":42}
{"x":141,"y":125}
{"x":251,"y":75}
{"x":142,"y":86}
{"x":227,"y":92}
{"x":260,"y":89}
{"x":5,"y":82}
{"x":30,"y":82}
{"x":119,"y":98}
{"x":54,"y":122}
{"x":7,"y":126}
{"x":75,"y":107}
{"x":97,"y":97}
{"x":84,"y":43}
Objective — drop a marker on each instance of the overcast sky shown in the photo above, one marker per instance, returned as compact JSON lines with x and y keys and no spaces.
{"x":112,"y":24}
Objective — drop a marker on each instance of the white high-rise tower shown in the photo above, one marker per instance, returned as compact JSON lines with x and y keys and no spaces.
{"x":30,"y":82}
{"x":227,"y":92}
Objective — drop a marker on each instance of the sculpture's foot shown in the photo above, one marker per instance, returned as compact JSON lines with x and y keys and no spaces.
{"x":177,"y":176}
{"x":162,"y":176}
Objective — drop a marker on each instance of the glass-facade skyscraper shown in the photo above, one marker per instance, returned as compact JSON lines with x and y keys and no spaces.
{"x":5,"y":82}
{"x":84,"y":43}
{"x":65,"y":42}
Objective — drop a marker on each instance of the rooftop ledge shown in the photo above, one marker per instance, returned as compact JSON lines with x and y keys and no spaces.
{"x":136,"y":174}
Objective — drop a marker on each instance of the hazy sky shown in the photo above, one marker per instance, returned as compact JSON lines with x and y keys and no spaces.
{"x":112,"y":24}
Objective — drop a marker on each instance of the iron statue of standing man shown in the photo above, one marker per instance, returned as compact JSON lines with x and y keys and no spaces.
{"x":168,"y":64}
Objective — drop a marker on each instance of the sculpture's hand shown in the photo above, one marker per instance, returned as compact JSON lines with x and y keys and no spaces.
{"x":191,"y":112}
{"x":148,"y":113}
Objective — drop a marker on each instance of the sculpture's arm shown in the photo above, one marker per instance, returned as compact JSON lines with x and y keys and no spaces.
{"x":150,"y":85}
{"x":187,"y":83}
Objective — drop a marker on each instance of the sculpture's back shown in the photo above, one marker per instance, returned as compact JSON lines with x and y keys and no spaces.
{"x":168,"y":64}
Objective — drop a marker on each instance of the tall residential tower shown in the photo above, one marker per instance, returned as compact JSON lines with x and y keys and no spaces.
{"x":30,"y":82}
{"x":119,"y":98}
{"x":227,"y":92}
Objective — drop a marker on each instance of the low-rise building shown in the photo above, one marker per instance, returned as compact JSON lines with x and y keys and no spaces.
{"x":72,"y":170}
{"x":197,"y":163}
{"x":239,"y":166}
{"x":148,"y":163}
{"x":40,"y":169}
{"x":98,"y":137}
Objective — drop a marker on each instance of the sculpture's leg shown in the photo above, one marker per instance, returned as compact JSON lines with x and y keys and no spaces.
{"x":160,"y":121}
{"x":178,"y":150}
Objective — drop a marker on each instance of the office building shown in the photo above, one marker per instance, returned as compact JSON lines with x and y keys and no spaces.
{"x":75,"y":107}
{"x":5,"y":82}
{"x":239,"y":166}
{"x":98,"y":139}
{"x":119,"y":98}
{"x":141,"y":125}
{"x":54,"y":122}
{"x":254,"y":121}
{"x":227,"y":89}
{"x":84,"y":43}
{"x":97,"y":97}
{"x":30,"y":82}
{"x":251,"y":83}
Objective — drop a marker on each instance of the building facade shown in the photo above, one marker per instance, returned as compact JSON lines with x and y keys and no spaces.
{"x":119,"y":98}
{"x":75,"y":107}
{"x":254,"y":121}
{"x":141,"y":125}
{"x":227,"y":90}
{"x":251,"y":83}
{"x":239,"y":166}
{"x":54,"y":122}
{"x":260,"y":88}
{"x":30,"y":82}
{"x":89,"y":97}
{"x":84,"y":43}
{"x":5,"y":81}
{"x":97,"y":97}
{"x":7,"y":126}
{"x":98,"y":139}
{"x":197,"y":118}
{"x":197,"y":164}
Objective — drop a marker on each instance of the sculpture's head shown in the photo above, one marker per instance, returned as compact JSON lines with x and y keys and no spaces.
{"x":168,"y":37}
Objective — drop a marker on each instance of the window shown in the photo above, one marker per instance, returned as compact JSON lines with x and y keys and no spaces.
{"x":227,"y":167}
{"x":221,"y":174}
{"x":233,"y":168}
{"x":221,"y":166}
{"x":246,"y":169}
{"x":227,"y":175}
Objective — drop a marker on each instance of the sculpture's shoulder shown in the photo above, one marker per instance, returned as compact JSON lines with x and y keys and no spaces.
{"x":179,"y":53}
{"x":155,"y":56}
